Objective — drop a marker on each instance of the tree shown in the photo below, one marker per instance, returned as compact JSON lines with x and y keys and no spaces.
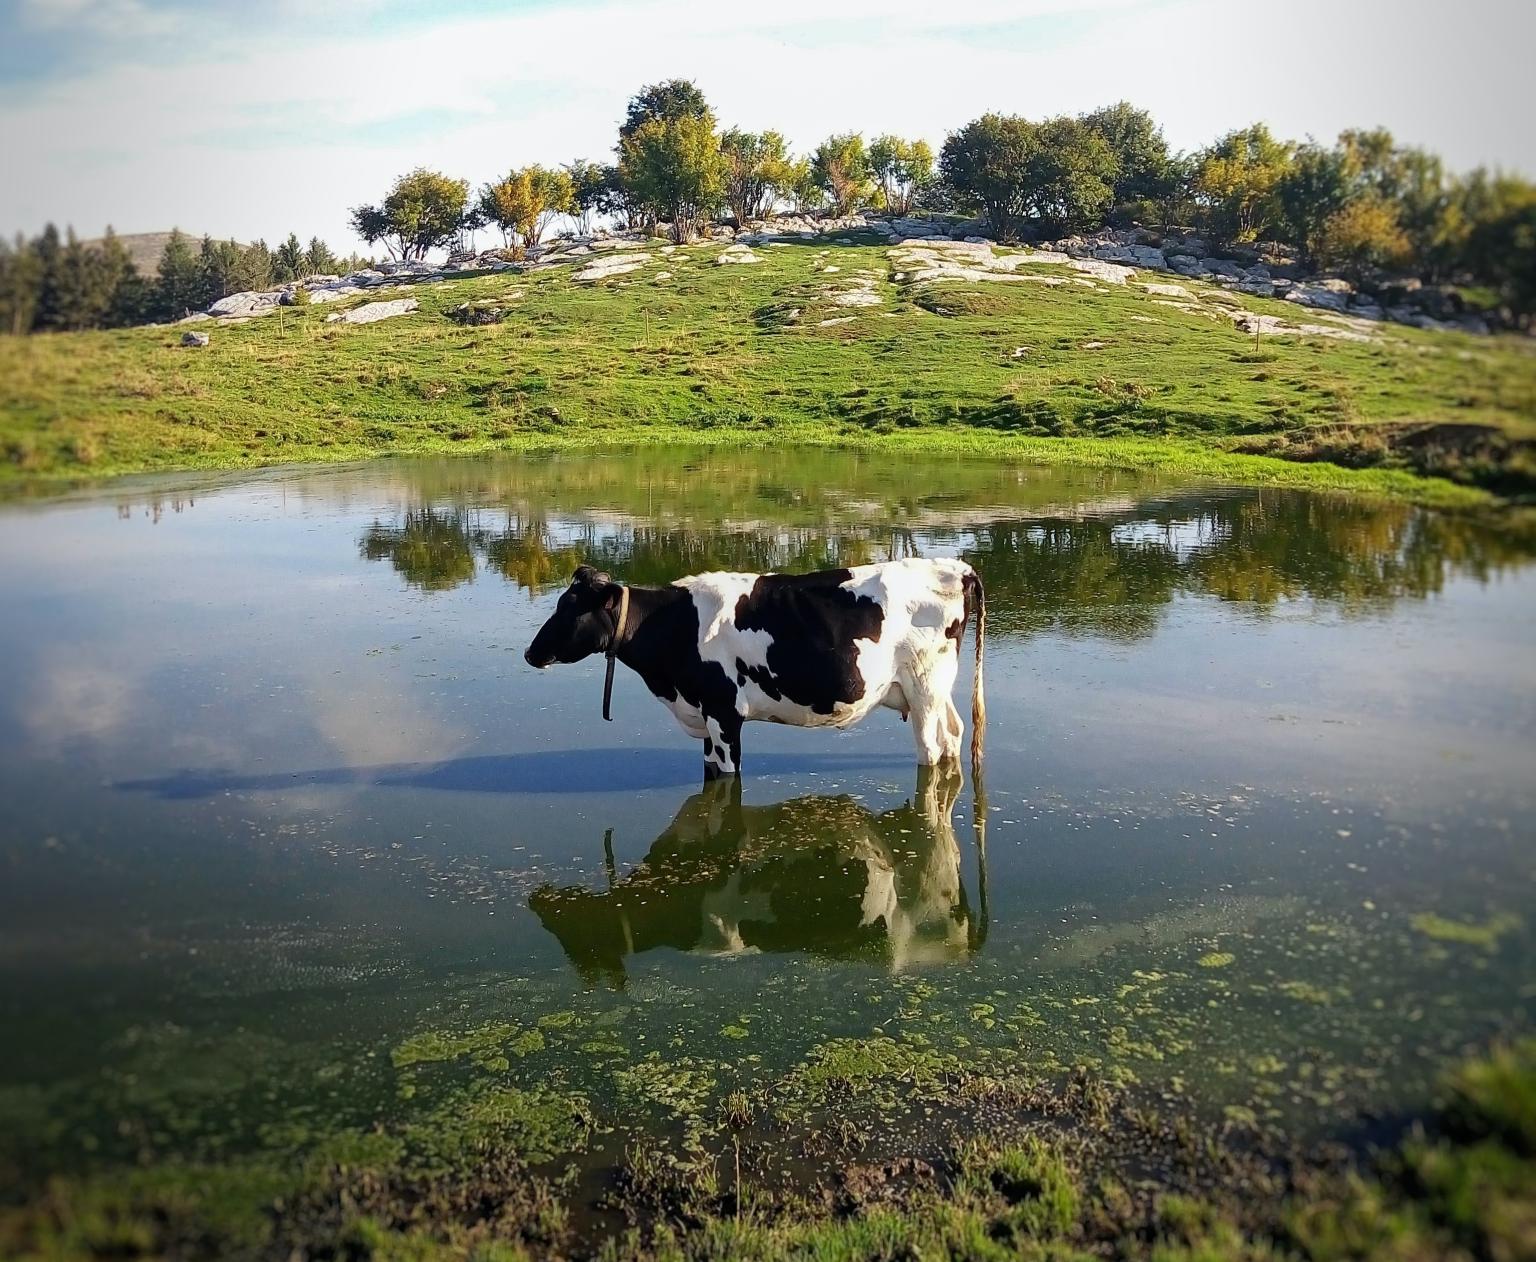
{"x":841,"y":167}
{"x":1236,"y":183}
{"x":1362,"y":235}
{"x":1425,"y":208}
{"x":1501,"y":244}
{"x":616,"y":201}
{"x":180,"y":288}
{"x":987,"y":163}
{"x":1070,"y":175}
{"x":527,"y":201}
{"x":1139,"y":150}
{"x":757,"y":171}
{"x":587,"y":188}
{"x":21,"y":280}
{"x":674,"y":169}
{"x":669,"y":101}
{"x":903,"y":168}
{"x":1314,"y":188}
{"x":318,"y":259}
{"x":253,"y":268}
{"x":289,"y":262}
{"x":801,"y":186}
{"x":219,"y":262}
{"x":423,"y":211}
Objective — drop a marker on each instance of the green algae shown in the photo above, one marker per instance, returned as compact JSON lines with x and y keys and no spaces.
{"x":1216,"y":959}
{"x":1484,"y":934}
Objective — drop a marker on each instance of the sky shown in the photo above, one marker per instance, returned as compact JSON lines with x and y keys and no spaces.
{"x":252,"y":120}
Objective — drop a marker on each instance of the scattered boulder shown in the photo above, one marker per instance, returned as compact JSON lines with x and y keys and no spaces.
{"x":372,"y":312}
{"x":1328,"y":295}
{"x":607,"y":266}
{"x":190,"y":338}
{"x":737,"y":254}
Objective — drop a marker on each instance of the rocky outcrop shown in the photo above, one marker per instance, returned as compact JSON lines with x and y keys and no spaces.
{"x":930,"y":248}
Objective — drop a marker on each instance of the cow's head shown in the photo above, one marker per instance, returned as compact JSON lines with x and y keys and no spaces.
{"x":583,"y":623}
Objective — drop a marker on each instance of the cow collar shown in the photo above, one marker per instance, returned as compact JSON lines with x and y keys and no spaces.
{"x":613,"y":648}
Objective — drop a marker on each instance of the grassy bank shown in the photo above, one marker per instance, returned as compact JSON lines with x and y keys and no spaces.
{"x":816,"y":343}
{"x":1075,"y":1171}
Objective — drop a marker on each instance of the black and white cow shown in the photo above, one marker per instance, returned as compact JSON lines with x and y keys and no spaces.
{"x":811,"y":650}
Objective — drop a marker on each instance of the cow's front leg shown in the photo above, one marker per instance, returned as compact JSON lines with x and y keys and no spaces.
{"x":722,"y":747}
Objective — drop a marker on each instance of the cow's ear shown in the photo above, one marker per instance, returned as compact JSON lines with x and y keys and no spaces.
{"x":588,"y":576}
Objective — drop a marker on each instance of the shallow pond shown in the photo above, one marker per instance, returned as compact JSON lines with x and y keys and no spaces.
{"x":295,"y":842}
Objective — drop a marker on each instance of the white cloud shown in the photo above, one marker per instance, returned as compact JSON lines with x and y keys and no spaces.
{"x":259,"y":134}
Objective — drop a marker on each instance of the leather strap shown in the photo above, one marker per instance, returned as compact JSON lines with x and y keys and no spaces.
{"x":613,"y":648}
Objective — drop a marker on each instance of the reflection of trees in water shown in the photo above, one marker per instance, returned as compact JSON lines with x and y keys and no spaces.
{"x":432,"y":548}
{"x":1109,"y":574}
{"x":821,"y":875}
{"x":1112,"y":576}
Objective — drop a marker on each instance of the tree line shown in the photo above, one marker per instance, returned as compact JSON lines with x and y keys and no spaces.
{"x":1361,"y":205}
{"x":57,"y":282}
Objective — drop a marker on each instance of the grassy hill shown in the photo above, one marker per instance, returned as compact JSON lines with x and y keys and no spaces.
{"x":145,"y":248}
{"x":816,"y":342}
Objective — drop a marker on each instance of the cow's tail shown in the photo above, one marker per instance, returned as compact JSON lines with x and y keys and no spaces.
{"x":977,"y":595}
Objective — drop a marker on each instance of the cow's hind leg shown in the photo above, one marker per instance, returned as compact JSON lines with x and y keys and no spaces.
{"x":927,"y":723}
{"x":936,"y":724}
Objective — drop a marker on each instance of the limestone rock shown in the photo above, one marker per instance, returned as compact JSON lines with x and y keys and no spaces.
{"x":372,"y":312}
{"x":190,"y":338}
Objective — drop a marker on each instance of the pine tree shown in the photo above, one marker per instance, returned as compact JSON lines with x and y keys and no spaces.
{"x":180,"y":287}
{"x":290,"y":261}
{"x":48,"y":249}
{"x":254,"y":269}
{"x":318,"y":259}
{"x":21,"y":275}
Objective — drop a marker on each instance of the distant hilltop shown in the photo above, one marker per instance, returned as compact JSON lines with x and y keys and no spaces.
{"x":145,"y":248}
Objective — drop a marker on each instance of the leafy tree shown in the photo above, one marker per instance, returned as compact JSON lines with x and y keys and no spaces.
{"x":616,"y":200}
{"x":841,"y":167}
{"x":587,"y":188}
{"x":903,"y":168}
{"x":987,"y":163}
{"x":757,"y":171}
{"x":1236,"y":183}
{"x":669,"y":101}
{"x":673,"y":168}
{"x":1314,"y":188}
{"x":318,"y":259}
{"x":290,"y":262}
{"x":1070,"y":173}
{"x":801,"y":186}
{"x":527,"y":201}
{"x":1426,"y":199}
{"x":1140,"y":152}
{"x":180,"y":288}
{"x":423,"y":211}
{"x":1501,"y":243}
{"x":1362,"y":235}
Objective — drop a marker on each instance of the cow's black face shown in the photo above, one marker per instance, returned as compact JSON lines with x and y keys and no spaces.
{"x":582,"y":624}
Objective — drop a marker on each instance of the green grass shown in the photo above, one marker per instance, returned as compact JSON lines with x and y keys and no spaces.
{"x":738,"y":354}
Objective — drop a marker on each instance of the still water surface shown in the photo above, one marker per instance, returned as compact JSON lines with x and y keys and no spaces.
{"x":283,"y":809}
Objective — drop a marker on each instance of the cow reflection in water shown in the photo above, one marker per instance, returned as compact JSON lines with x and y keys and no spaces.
{"x":824,"y":875}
